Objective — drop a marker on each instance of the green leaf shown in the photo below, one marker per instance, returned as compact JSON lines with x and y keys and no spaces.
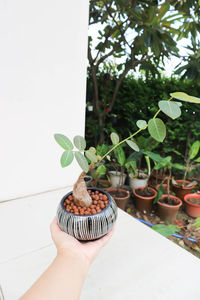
{"x":141,"y":124}
{"x":92,"y":149}
{"x":102,"y":149}
{"x":194,"y":149}
{"x":197,"y":222}
{"x":166,"y":230}
{"x":131,"y":167}
{"x":66,"y":158}
{"x":165,"y":162}
{"x":120,"y":155}
{"x":178,"y":103}
{"x":79,"y":142}
{"x":160,"y":192}
{"x":100,"y":171}
{"x":185,"y":97}
{"x":114,"y":138}
{"x":133,"y":145}
{"x":171,"y":109}
{"x":179,"y":166}
{"x":91,"y":156}
{"x":82,"y":161}
{"x":198,"y":159}
{"x":157,"y":129}
{"x":63,"y":141}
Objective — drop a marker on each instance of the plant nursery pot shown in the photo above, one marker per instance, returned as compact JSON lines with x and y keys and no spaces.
{"x":135,"y":183}
{"x":182,"y":191}
{"x":87,"y":227}
{"x":144,"y":203}
{"x":120,"y":200}
{"x":192,"y":209}
{"x":103,"y":184}
{"x":168,"y":212}
{"x":116,"y":179}
{"x":88,"y":179}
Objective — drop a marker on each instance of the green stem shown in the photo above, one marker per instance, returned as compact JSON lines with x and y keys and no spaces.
{"x":115,"y":146}
{"x":143,"y":128}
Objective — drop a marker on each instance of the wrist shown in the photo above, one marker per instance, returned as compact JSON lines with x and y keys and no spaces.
{"x":74,"y":259}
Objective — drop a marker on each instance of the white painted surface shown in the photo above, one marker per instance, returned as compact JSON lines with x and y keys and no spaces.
{"x":138,"y":263}
{"x":43,"y":56}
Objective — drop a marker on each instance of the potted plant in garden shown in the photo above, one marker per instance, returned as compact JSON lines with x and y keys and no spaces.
{"x":168,"y":204}
{"x":192,"y":204}
{"x":88,"y":214}
{"x":183,"y":186}
{"x":138,"y":177}
{"x":144,"y":196}
{"x":117,"y":178}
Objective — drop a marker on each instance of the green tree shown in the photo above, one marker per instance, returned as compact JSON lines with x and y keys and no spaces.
{"x":190,"y":29}
{"x":140,"y":32}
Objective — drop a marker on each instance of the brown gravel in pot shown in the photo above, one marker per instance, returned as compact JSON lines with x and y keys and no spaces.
{"x":99,"y":202}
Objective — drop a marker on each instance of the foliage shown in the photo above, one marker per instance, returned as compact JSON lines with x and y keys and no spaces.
{"x":155,"y":130}
{"x":166,"y":230}
{"x":192,"y":158}
{"x":137,"y":100}
{"x":140,"y":33}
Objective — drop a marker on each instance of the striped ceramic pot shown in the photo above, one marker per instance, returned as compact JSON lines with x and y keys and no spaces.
{"x":90,"y":227}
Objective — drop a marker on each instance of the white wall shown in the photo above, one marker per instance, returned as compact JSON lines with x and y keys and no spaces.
{"x":43,"y":51}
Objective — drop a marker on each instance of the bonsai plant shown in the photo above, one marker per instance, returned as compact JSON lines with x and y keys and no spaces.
{"x":183,"y":186}
{"x":89,"y":214}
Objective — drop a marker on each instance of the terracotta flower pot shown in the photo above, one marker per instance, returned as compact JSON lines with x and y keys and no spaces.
{"x":182,"y":191}
{"x":192,"y":210}
{"x":120,"y":200}
{"x":168,"y":212}
{"x":144,"y":203}
{"x":87,"y":227}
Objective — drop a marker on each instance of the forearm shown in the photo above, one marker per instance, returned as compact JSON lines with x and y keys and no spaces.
{"x":62,"y":280}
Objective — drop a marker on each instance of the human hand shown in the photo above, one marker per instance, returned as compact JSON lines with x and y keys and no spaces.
{"x":68,"y":245}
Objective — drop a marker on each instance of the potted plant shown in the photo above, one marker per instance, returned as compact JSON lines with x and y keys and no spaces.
{"x":183,"y":186}
{"x":137,"y":178}
{"x":144,"y":196}
{"x":168,"y":204}
{"x":88,"y":214}
{"x":117,"y":178}
{"x":192,"y":204}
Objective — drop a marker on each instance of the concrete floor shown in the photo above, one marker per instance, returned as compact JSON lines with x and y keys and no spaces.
{"x":138,"y":263}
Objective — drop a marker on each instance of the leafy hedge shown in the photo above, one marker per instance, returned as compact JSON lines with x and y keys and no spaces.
{"x":137,"y":99}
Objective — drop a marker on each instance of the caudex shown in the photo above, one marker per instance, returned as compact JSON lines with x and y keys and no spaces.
{"x":88,"y":160}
